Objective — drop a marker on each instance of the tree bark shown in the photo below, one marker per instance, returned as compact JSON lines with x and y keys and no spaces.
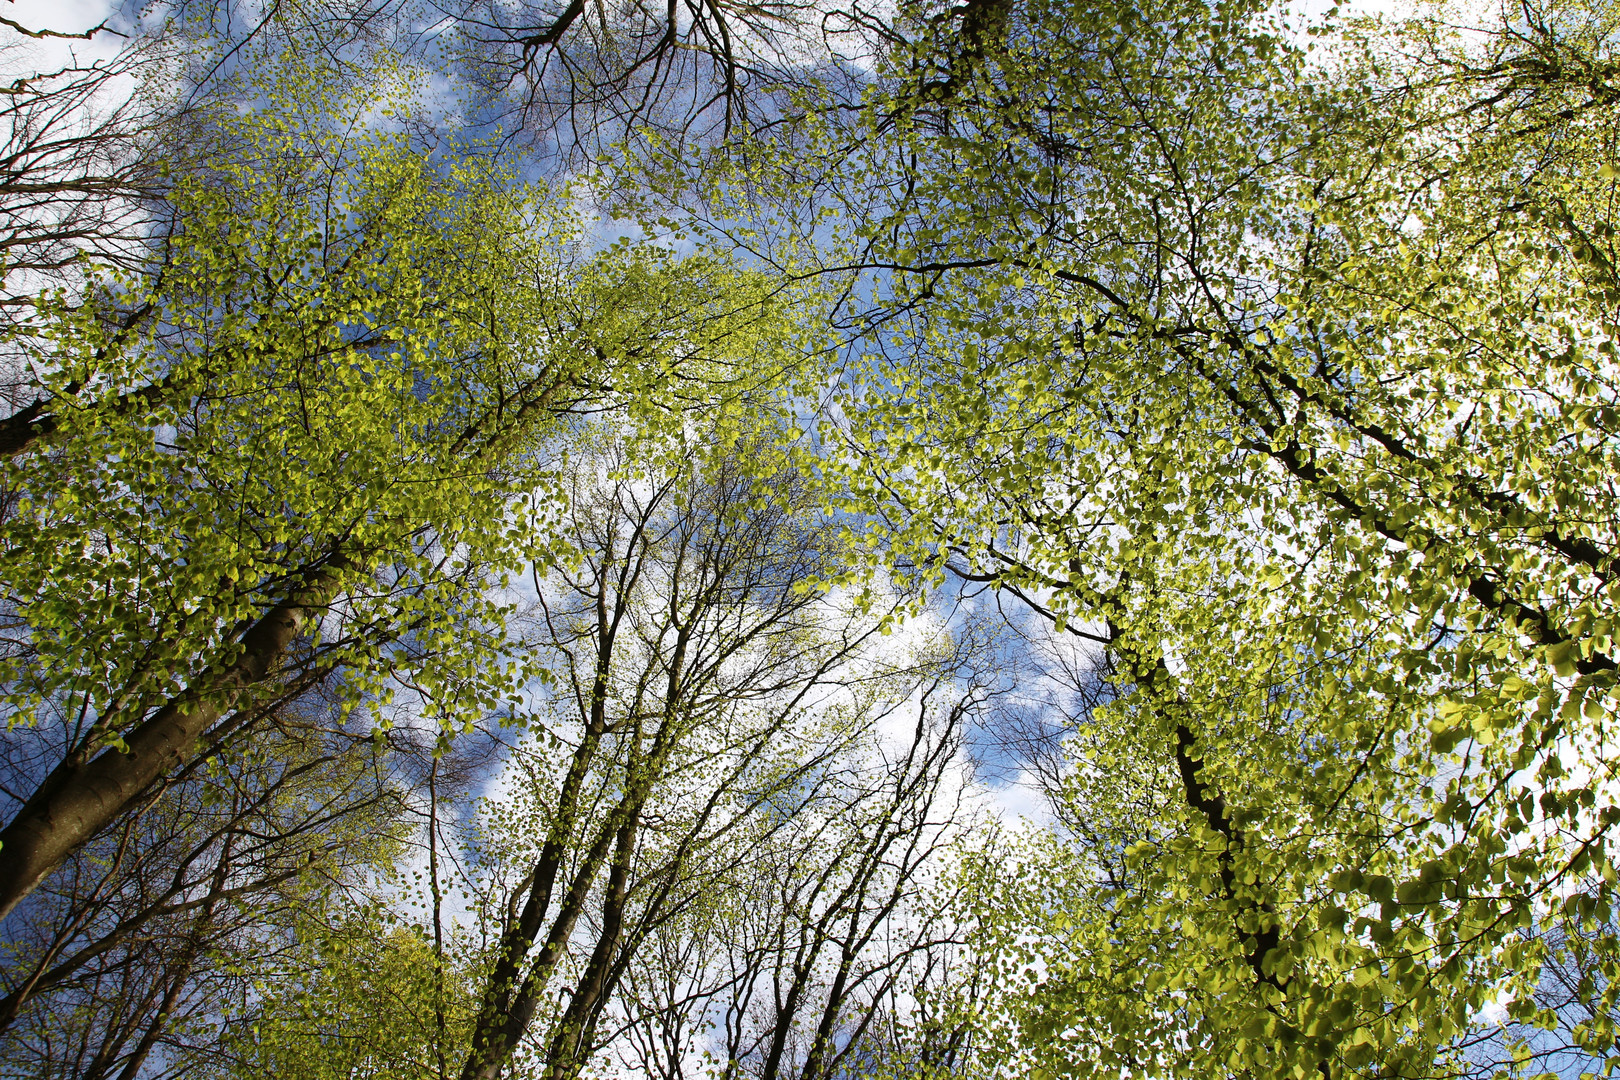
{"x":76,"y":801}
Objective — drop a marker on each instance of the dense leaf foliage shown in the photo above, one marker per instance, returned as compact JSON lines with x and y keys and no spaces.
{"x":1275,"y":367}
{"x":1291,"y":383}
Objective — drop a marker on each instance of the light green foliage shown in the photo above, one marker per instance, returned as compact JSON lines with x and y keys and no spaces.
{"x":318,"y":373}
{"x":361,"y":998}
{"x":1292,"y":379}
{"x":341,"y":368}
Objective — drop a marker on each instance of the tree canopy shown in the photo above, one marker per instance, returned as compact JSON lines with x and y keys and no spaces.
{"x":1204,"y":413}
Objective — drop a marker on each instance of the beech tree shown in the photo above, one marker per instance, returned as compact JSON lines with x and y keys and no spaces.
{"x":705,"y":689}
{"x":1289,"y":383}
{"x":99,"y":470}
{"x":297,"y":461}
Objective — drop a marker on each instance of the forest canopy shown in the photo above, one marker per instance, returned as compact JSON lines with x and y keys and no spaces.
{"x":806,"y":541}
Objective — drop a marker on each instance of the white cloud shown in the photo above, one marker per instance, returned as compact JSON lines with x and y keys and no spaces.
{"x":1019,"y":802}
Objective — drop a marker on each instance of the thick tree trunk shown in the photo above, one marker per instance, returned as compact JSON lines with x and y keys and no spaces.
{"x":24,"y":427}
{"x":76,"y":801}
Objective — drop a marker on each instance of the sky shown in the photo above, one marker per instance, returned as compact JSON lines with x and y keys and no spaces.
{"x":63,"y":16}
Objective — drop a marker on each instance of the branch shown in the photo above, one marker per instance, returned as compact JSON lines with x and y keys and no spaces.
{"x":100,"y":27}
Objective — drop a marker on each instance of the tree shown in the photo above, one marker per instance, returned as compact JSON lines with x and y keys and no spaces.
{"x":122,"y":964}
{"x":113,"y":512}
{"x":697,"y":670}
{"x":298,"y":461}
{"x":1290,"y":384}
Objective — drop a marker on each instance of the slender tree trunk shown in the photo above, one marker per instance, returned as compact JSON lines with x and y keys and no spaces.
{"x":572,"y":1042}
{"x":500,"y":1030}
{"x":509,"y":995}
{"x":77,"y":801}
{"x":439,"y":1025}
{"x":830,"y":1013}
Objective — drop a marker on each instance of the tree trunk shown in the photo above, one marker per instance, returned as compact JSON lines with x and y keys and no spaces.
{"x":75,"y":802}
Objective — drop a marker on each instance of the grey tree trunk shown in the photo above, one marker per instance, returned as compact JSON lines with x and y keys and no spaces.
{"x":77,"y":800}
